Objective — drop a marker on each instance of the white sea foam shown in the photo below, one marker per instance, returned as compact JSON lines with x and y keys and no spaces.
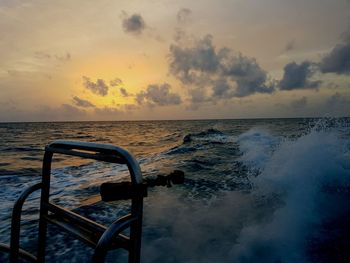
{"x":257,"y":146}
{"x":299,"y":170}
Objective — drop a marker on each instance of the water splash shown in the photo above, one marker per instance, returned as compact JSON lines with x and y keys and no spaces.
{"x":311,"y":175}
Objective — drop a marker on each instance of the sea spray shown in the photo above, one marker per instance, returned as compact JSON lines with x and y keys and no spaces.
{"x":300,"y":185}
{"x":300,"y":171}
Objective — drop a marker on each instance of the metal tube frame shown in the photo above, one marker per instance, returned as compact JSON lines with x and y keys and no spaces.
{"x":101,"y":152}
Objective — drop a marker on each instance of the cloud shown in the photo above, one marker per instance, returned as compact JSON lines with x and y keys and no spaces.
{"x":296,"y":76}
{"x":82,"y":103}
{"x":124,"y":92}
{"x":224,"y":72}
{"x":47,"y":56}
{"x":192,"y":64}
{"x":299,"y":103}
{"x":158,"y":95}
{"x":99,"y":87}
{"x":249,"y":76}
{"x":221,"y":89}
{"x":184,"y":16}
{"x":116,"y":82}
{"x":338,"y":59}
{"x":133,"y":24}
{"x":108,"y":111}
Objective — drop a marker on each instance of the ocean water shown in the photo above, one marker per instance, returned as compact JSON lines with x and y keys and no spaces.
{"x":267,"y":190}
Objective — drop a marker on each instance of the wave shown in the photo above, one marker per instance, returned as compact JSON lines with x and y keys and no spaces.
{"x":295,"y":208}
{"x":192,"y":142}
{"x":311,"y":177}
{"x":22,"y":149}
{"x":211,"y":135}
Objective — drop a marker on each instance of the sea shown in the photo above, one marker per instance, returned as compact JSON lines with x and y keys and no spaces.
{"x":255,"y":190}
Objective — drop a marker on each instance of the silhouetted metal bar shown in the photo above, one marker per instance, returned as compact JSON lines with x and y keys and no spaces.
{"x":109,"y":235}
{"x":107,"y":149}
{"x":21,"y":253}
{"x":61,"y":212}
{"x":86,"y":229}
{"x":96,"y":156}
{"x":136,"y":229}
{"x":16,"y":222}
{"x":45,"y":194}
{"x":122,"y":191}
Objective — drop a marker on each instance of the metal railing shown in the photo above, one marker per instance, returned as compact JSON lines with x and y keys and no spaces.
{"x":100,"y":237}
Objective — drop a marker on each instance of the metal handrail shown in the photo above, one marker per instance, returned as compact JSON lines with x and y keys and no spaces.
{"x":101,"y":152}
{"x":16,"y":222}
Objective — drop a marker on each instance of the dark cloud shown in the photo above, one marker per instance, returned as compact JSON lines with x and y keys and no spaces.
{"x":296,"y":76}
{"x":124,"y":92}
{"x":224,"y":72}
{"x":99,"y":87}
{"x":133,"y":24}
{"x":184,"y":15}
{"x":250,"y":78}
{"x":221,"y":89}
{"x":116,"y":82}
{"x":198,"y":96}
{"x":158,"y":95}
{"x":299,"y":103}
{"x":82,"y":103}
{"x":338,"y":60}
{"x":192,"y":64}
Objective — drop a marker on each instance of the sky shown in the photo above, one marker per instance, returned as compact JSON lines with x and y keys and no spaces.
{"x":147,"y":60}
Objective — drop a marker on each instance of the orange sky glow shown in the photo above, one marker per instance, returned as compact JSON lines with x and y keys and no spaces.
{"x":141,"y":60}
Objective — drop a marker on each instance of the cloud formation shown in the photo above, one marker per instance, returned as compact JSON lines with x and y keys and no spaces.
{"x":116,"y":82}
{"x":224,"y":72}
{"x":338,"y":60}
{"x":124,"y":92}
{"x":82,"y":103}
{"x":296,"y":76}
{"x":99,"y":87}
{"x":158,"y":95}
{"x":133,"y":24}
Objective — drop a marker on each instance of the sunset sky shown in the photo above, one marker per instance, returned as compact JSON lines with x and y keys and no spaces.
{"x":142,"y":60}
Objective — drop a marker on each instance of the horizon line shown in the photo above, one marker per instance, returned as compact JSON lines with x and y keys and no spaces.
{"x":141,"y":120}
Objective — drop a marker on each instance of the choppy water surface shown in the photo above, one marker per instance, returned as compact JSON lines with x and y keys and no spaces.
{"x":255,"y":190}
